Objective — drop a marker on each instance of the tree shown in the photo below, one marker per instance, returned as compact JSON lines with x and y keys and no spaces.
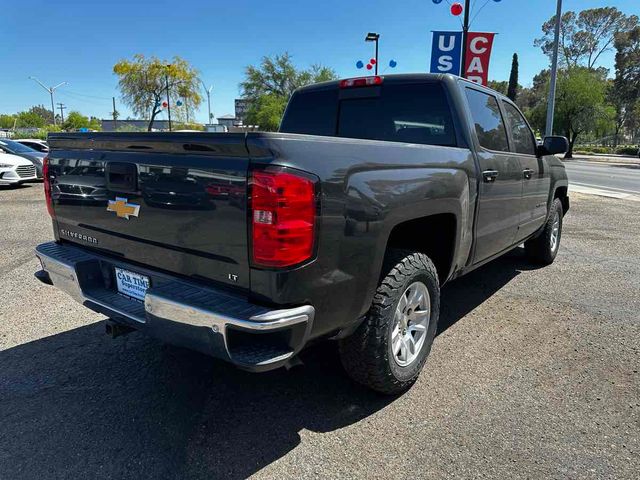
{"x":512,"y":89}
{"x":30,"y":119}
{"x":498,"y":86}
{"x":625,"y":90}
{"x":75,"y":120}
{"x":266,"y":111}
{"x":7,"y":121}
{"x":42,"y":112}
{"x":143,"y":84}
{"x":584,"y":37}
{"x":267,"y":87}
{"x":580,"y":103}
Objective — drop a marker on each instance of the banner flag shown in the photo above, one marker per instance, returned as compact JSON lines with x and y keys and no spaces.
{"x":446,"y":52}
{"x":478,"y":56}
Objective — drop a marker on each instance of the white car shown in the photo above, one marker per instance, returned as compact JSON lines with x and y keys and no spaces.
{"x":15,"y":169}
{"x":36,"y":144}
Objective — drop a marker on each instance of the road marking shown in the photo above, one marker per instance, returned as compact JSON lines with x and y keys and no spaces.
{"x":604,"y":192}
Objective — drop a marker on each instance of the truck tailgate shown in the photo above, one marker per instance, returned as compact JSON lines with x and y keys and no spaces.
{"x":177,"y":202}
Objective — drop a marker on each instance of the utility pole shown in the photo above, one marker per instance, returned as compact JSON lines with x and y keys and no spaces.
{"x":50,"y":90}
{"x":115,"y":114}
{"x":208,"y":90}
{"x":465,"y":35}
{"x":554,"y":72}
{"x":62,"y":108}
{"x":166,"y":78}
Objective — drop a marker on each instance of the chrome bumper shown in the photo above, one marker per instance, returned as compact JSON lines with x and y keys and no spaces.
{"x":180,"y":312}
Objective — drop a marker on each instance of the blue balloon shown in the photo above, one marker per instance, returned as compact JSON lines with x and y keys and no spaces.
{"x":437,"y":1}
{"x":393,"y":64}
{"x":179,"y":103}
{"x":359,"y":64}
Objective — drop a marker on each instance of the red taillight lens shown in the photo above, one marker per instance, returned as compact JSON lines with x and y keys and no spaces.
{"x":283,"y":218}
{"x":47,"y":185}
{"x":361,"y":82}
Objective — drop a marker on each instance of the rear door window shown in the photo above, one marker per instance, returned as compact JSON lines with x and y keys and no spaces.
{"x":488,"y":121}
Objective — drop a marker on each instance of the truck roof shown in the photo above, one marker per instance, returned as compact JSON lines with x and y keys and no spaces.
{"x":403,"y":78}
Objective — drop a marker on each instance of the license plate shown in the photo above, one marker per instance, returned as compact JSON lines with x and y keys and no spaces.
{"x":131,"y":284}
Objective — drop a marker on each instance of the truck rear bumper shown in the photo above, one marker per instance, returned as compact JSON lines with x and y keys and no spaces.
{"x":179,"y":312}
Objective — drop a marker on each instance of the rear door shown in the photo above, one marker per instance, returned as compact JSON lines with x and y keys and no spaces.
{"x":173,"y":202}
{"x":536,"y":180}
{"x":501,"y":178}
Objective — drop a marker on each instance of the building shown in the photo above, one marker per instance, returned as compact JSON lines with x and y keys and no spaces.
{"x":142,"y":125}
{"x":227,"y":120}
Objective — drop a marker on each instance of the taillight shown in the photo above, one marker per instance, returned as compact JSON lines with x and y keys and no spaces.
{"x":283,"y":218}
{"x":47,"y":185}
{"x":361,"y":82}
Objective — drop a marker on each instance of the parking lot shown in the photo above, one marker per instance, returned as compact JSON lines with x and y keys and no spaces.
{"x":534,"y":374}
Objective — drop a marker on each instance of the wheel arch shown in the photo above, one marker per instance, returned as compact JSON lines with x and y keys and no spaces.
{"x":414,"y":235}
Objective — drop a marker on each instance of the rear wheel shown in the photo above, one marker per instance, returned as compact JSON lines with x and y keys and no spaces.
{"x":544,"y":248}
{"x":389,"y":349}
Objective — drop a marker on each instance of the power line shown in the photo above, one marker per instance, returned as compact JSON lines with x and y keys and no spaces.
{"x":87,"y":95}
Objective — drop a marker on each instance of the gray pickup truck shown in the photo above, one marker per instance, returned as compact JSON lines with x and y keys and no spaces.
{"x":344,"y":225}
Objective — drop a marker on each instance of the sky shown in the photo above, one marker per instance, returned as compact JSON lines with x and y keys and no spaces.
{"x":80,"y":41}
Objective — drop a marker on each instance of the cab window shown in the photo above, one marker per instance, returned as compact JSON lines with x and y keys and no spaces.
{"x":521,"y":134}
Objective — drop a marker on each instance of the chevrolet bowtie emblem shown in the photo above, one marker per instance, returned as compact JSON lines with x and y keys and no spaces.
{"x":122,"y":208}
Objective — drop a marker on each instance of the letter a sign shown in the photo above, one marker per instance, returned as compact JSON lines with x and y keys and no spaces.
{"x":477,"y":56}
{"x":446,"y":52}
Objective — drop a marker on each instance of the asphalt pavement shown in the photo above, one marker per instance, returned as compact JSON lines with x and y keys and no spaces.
{"x":618,"y":177}
{"x":534,"y":374}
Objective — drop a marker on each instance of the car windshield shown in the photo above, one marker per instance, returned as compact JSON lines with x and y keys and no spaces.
{"x":15,"y":147}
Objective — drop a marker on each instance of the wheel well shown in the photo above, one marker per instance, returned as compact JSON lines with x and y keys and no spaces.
{"x":562,"y":194}
{"x":433,"y":235}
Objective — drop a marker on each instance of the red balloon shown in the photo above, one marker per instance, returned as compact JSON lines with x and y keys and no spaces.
{"x":369,"y":66}
{"x":165,"y":104}
{"x":456,"y":9}
{"x":372,"y":61}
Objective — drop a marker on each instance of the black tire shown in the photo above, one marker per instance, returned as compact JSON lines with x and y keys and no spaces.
{"x":541,"y":249}
{"x":367,"y":354}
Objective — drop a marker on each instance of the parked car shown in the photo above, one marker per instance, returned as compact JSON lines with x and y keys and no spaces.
{"x":345,"y":225}
{"x":15,"y":148}
{"x":34,"y":143}
{"x":15,"y":169}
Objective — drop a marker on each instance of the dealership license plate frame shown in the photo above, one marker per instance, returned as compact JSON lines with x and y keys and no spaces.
{"x":127,"y":285}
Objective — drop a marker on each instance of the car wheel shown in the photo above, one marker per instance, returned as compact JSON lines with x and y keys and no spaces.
{"x":544,"y":248}
{"x":389,"y":349}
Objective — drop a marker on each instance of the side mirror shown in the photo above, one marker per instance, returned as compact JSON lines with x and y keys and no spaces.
{"x":553,"y":145}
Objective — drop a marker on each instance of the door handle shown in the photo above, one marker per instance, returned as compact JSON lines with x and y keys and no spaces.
{"x":527,"y":173}
{"x":489,"y":176}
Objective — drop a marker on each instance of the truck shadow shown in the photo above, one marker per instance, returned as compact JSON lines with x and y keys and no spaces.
{"x":466,"y":293}
{"x":79,"y":405}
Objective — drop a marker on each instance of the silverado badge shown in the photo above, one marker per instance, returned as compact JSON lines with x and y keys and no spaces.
{"x":123,"y":208}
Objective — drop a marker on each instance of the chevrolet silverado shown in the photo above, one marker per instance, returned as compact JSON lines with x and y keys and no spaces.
{"x":343,"y":225}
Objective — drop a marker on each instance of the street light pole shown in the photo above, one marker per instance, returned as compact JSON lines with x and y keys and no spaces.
{"x":50,"y":90}
{"x":166,"y":79}
{"x":554,"y":72}
{"x":374,"y":37}
{"x":208,"y":90}
{"x":465,"y":35}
